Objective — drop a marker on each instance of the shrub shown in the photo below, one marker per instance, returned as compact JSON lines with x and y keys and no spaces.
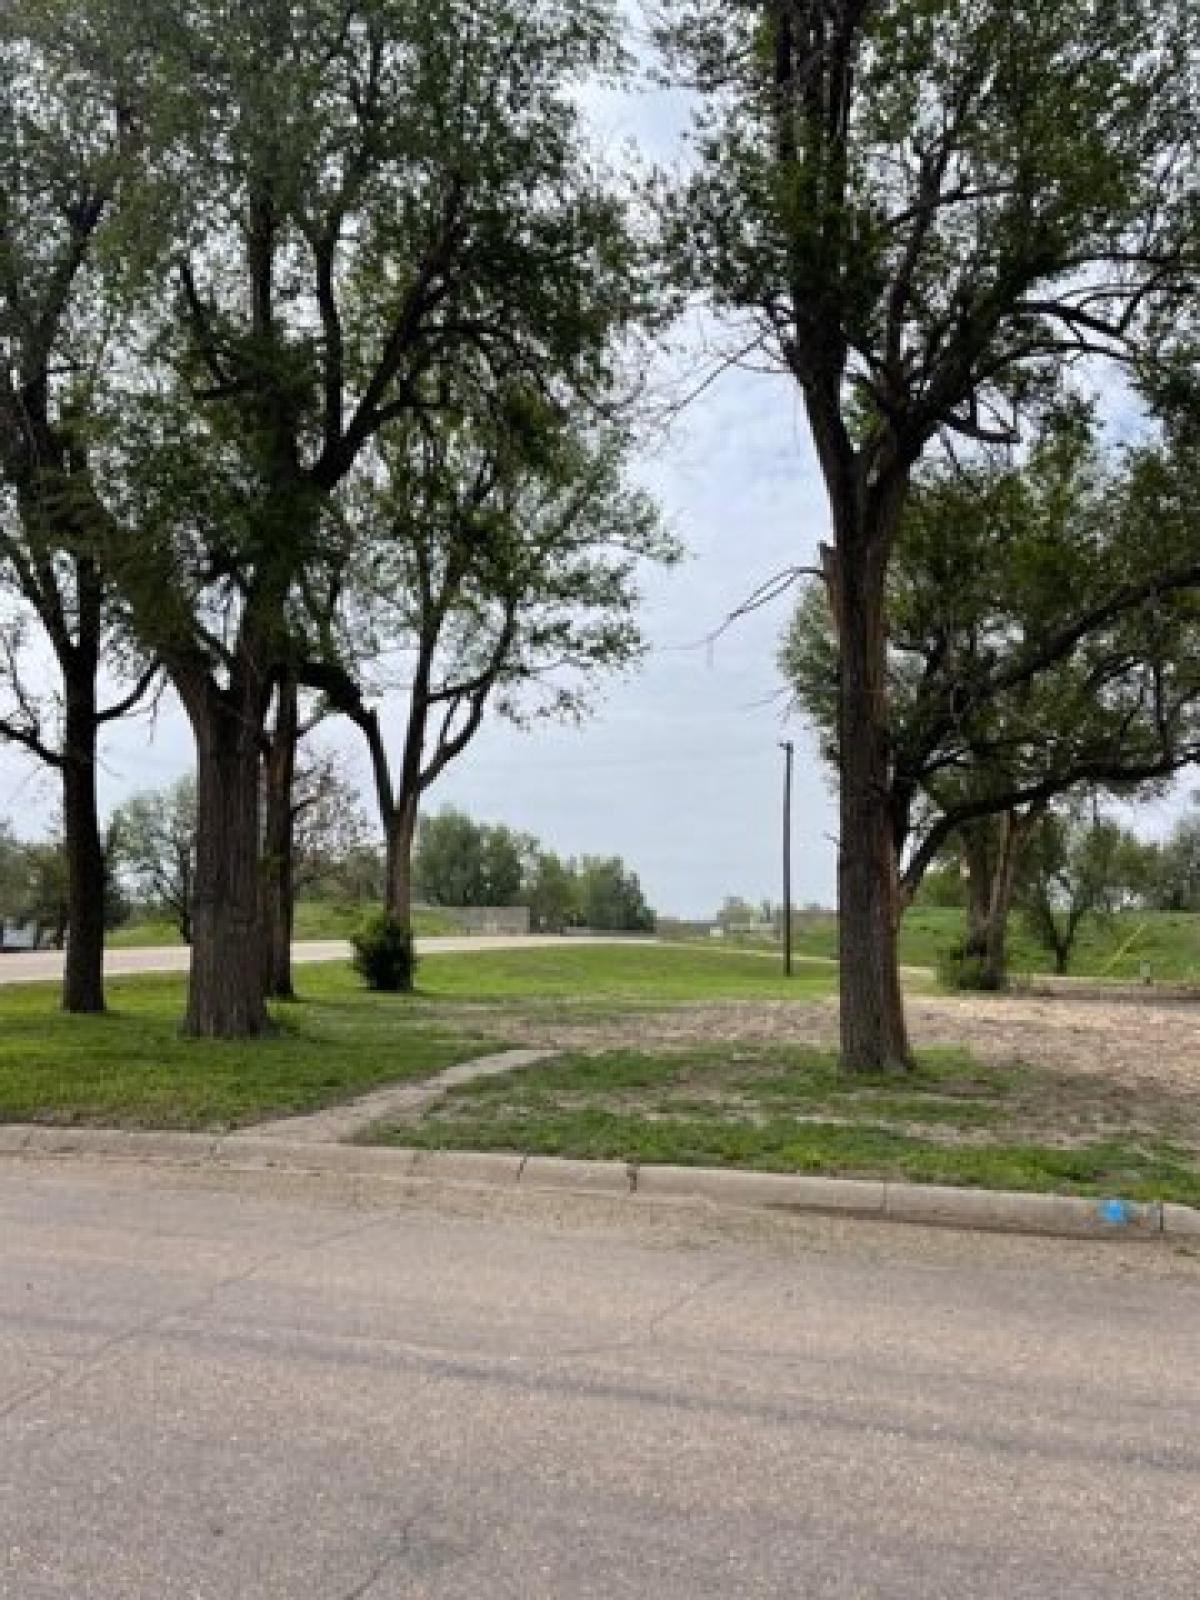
{"x":960,"y":968}
{"x":384,"y":956}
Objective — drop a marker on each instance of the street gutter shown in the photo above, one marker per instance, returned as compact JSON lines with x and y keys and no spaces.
{"x":993,"y":1210}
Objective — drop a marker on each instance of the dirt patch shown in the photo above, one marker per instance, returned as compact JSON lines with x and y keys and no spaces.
{"x":1106,"y":1060}
{"x":1127,"y":1038}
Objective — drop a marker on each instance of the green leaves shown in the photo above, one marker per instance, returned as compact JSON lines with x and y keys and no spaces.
{"x":1043,"y":627}
{"x":922,"y":201}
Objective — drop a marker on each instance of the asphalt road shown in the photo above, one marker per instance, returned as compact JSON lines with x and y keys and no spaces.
{"x":35,"y":966}
{"x":276,"y":1387}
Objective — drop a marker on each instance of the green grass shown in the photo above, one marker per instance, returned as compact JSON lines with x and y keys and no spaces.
{"x":832,"y":1149}
{"x":315,"y":919}
{"x":955,"y":1120}
{"x":618,"y":976}
{"x":148,"y":935}
{"x":132,"y":1068}
{"x":768,"y":1107}
{"x":1111,"y":947}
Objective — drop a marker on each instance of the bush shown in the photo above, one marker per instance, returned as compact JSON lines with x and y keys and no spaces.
{"x":383,"y":953}
{"x":960,"y":968}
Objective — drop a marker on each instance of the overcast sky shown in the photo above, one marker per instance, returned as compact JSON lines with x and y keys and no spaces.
{"x":680,"y":772}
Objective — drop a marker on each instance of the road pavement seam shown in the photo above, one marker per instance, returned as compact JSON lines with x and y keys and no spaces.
{"x":989,"y":1209}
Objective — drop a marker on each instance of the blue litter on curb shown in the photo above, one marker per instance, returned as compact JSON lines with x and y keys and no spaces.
{"x":1118,"y":1212}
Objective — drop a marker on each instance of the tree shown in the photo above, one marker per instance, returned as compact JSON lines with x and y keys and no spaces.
{"x":153,"y":844}
{"x":1076,"y":868}
{"x":13,"y":873}
{"x":1044,"y":617}
{"x":503,"y":549}
{"x":1175,"y":880}
{"x":332,"y":830}
{"x":48,"y":903}
{"x":992,"y":849}
{"x":610,"y":897}
{"x":944,"y":884}
{"x":65,"y":160}
{"x":924,"y":209}
{"x":35,"y":886}
{"x":551,"y":891}
{"x":459,"y":862}
{"x":347,"y":198}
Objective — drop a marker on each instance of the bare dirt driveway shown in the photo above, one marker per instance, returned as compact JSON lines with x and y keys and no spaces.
{"x":260,"y":1387}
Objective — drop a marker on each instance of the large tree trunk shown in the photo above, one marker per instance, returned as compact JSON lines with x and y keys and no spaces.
{"x":874,"y":1038}
{"x":278,"y":866}
{"x":83,"y":977}
{"x":225,"y":997}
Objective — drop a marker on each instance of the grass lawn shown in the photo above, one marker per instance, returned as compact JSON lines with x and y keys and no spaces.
{"x":618,"y":976}
{"x":315,"y":919}
{"x":669,"y":1092}
{"x":1111,"y":947}
{"x":769,"y":1108}
{"x":132,"y":1068}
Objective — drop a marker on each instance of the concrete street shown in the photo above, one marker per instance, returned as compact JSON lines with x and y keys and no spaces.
{"x":218,"y":1386}
{"x":34,"y":966}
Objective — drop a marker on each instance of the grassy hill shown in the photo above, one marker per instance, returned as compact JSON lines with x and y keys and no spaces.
{"x":315,"y":919}
{"x":1111,"y":947}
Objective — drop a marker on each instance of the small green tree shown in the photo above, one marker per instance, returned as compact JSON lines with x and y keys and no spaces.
{"x":460,"y":862}
{"x":502,"y":554}
{"x":1077,"y":867}
{"x":1174,"y":876}
{"x":13,"y":873}
{"x":152,"y":842}
{"x":611,"y":898}
{"x":551,"y":891}
{"x":384,"y":953}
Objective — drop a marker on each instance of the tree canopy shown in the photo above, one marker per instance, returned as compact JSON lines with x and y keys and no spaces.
{"x":1044,"y":621}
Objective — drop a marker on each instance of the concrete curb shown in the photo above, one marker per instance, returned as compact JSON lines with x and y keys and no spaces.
{"x":994,"y":1210}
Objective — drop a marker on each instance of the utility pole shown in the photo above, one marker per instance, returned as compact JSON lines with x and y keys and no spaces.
{"x":789,"y":751}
